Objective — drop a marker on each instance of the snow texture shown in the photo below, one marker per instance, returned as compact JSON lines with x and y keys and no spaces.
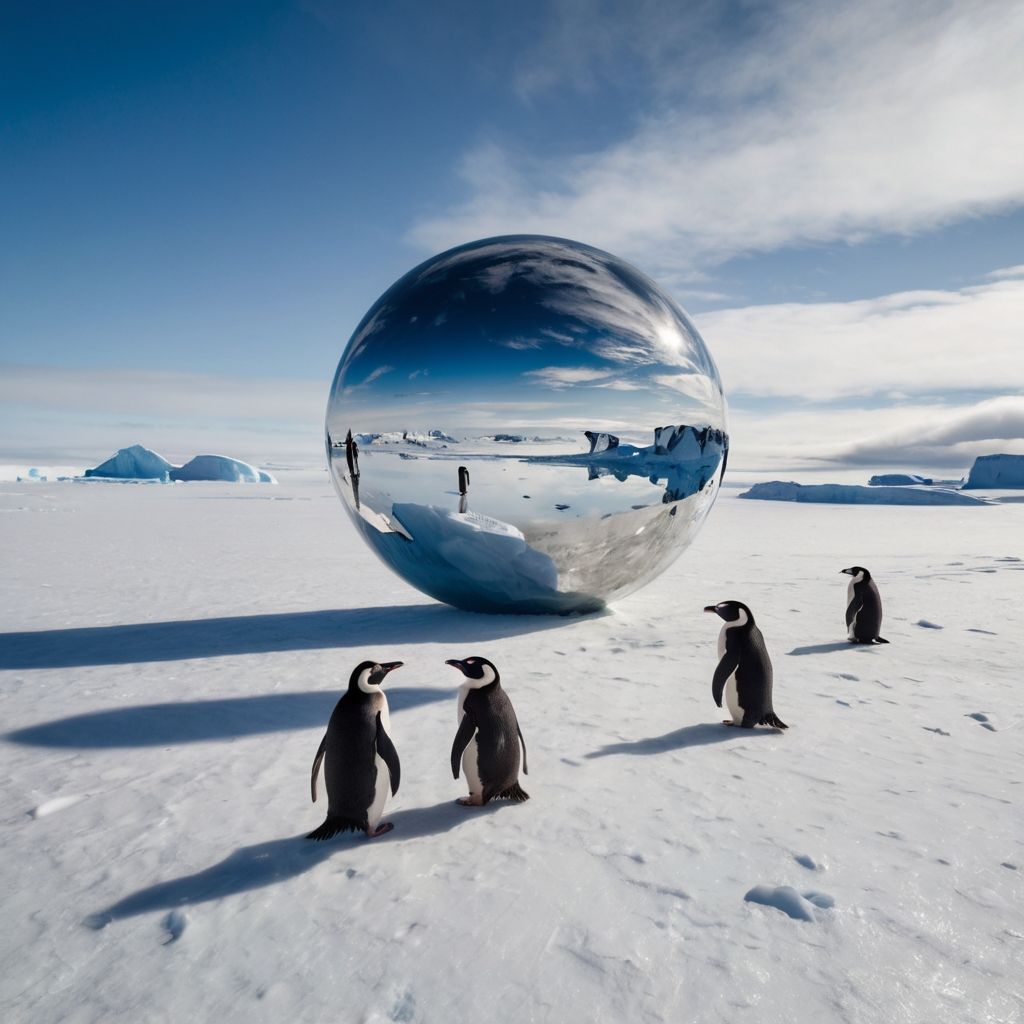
{"x":162,"y":704}
{"x":996,"y":471}
{"x":854,"y":494}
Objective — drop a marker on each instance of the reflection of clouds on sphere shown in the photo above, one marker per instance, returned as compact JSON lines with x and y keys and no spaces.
{"x":526,"y":424}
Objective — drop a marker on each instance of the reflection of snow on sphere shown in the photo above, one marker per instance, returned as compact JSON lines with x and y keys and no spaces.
{"x":526,"y":424}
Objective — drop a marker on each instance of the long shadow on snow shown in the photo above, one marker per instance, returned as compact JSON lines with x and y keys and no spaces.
{"x":263,"y":864}
{"x":201,"y":721}
{"x":839,"y":645}
{"x":688,"y":736}
{"x":261,"y":634}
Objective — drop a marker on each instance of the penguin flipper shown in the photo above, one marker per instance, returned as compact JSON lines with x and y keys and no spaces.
{"x":729,"y":663}
{"x":467,"y":727}
{"x":851,"y":610}
{"x":388,"y":754}
{"x":317,"y":761}
{"x":526,"y":771}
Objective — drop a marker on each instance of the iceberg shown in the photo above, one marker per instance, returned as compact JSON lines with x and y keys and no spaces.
{"x":220,"y":467}
{"x":138,"y":463}
{"x":996,"y":471}
{"x":898,"y":480}
{"x":856,"y":494}
{"x":134,"y":463}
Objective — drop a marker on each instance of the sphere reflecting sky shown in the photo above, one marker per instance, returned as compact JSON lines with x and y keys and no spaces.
{"x":526,"y":424}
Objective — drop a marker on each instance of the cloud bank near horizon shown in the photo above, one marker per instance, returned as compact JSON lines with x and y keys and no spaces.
{"x":915,"y":379}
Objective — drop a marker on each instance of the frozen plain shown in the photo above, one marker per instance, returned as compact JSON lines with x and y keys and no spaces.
{"x":170,"y":655}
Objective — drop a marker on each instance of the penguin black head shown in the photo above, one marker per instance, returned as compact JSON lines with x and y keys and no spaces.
{"x":857,"y":570}
{"x":367,"y":676}
{"x":476,"y":670}
{"x":732,"y":611}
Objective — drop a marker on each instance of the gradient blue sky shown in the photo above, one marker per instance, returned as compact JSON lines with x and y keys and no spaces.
{"x":199,"y":201}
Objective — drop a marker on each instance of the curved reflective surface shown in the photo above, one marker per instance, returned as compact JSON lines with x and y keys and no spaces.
{"x":526,"y":424}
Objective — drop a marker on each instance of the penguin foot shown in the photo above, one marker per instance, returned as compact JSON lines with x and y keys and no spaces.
{"x":382,"y":829}
{"x":727,"y":721}
{"x":470,"y":801}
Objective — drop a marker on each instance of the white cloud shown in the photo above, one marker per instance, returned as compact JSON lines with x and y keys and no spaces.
{"x":566,"y":376}
{"x":913,"y":342}
{"x":834,"y":121}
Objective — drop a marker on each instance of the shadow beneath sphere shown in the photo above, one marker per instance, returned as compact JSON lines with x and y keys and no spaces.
{"x":185,"y":639}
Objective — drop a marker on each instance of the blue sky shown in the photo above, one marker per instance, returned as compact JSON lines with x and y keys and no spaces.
{"x":200,"y":201}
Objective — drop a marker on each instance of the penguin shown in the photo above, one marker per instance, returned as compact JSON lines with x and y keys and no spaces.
{"x":744,"y":669}
{"x":361,"y":761}
{"x":863,"y":607}
{"x":488,"y":738}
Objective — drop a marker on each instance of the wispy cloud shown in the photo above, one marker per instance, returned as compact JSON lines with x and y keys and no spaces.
{"x":566,"y":376}
{"x":829,"y":122}
{"x":914,"y":342}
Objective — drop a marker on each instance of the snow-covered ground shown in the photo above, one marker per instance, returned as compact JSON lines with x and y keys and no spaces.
{"x":170,"y":657}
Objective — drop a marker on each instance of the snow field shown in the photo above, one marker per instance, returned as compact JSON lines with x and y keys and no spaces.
{"x":171,"y":656}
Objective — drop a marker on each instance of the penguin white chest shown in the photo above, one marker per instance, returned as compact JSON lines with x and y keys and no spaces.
{"x":732,"y":699}
{"x":382,"y":785}
{"x":470,"y":765}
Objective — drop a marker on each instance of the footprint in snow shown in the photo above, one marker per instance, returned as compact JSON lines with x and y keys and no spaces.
{"x":925,"y":624}
{"x":987,"y":632}
{"x":790,"y":902}
{"x":847,"y":676}
{"x":935,"y":729}
{"x":982,"y":719}
{"x":807,"y":861}
{"x":174,"y":924}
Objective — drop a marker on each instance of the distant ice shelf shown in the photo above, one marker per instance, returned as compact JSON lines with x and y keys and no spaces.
{"x":855,"y":494}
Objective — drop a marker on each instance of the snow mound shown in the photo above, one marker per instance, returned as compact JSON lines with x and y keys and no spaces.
{"x":997,"y":471}
{"x":223,"y":468}
{"x":898,"y":480}
{"x":789,"y":901}
{"x":855,"y":494}
{"x":134,"y":463}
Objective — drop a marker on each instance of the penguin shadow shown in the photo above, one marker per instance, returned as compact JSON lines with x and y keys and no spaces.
{"x":200,"y":721}
{"x":278,"y":860}
{"x":838,"y":645}
{"x":699,"y":735}
{"x":263,"y":634}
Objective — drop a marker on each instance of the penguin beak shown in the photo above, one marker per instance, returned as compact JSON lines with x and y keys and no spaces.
{"x":390,"y":666}
{"x":711,"y":608}
{"x":845,"y":572}
{"x":455,"y":663}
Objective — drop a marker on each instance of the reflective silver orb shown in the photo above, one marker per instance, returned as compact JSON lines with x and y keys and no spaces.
{"x":526,"y":424}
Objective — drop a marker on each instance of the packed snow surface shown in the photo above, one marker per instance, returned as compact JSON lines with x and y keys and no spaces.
{"x":996,"y":471}
{"x":162,"y":704}
{"x":854,"y":494}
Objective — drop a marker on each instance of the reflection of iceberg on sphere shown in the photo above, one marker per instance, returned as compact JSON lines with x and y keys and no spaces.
{"x":503,"y":410}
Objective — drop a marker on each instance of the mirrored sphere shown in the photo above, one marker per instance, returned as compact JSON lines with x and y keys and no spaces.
{"x":526,"y":424}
